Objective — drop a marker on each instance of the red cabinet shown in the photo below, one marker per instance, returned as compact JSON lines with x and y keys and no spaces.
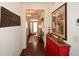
{"x":53,"y":48}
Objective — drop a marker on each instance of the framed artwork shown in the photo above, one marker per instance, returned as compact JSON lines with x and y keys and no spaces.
{"x":59,"y":21}
{"x":8,"y":18}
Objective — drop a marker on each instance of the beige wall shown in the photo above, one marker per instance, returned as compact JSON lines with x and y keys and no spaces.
{"x":11,"y":37}
{"x":72,"y":28}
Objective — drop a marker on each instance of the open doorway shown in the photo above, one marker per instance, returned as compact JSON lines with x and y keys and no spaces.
{"x":35,"y":30}
{"x":35,"y":19}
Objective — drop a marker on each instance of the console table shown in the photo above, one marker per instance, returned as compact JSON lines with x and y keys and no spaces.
{"x":54,"y":48}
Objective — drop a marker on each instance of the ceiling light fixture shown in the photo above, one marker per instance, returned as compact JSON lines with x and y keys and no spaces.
{"x":28,"y":15}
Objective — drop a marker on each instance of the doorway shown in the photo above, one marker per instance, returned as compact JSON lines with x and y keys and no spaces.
{"x":34,"y":26}
{"x":35,"y":19}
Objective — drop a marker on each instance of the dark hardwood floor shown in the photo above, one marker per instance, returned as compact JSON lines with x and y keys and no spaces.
{"x":34,"y":49}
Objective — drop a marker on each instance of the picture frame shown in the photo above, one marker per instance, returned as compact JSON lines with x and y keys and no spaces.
{"x":8,"y":18}
{"x":59,"y":21}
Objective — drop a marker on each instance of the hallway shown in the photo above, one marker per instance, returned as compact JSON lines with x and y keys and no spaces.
{"x":20,"y":19}
{"x":34,"y":48}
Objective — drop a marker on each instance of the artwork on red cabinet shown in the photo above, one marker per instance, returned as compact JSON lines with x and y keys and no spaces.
{"x":59,"y":20}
